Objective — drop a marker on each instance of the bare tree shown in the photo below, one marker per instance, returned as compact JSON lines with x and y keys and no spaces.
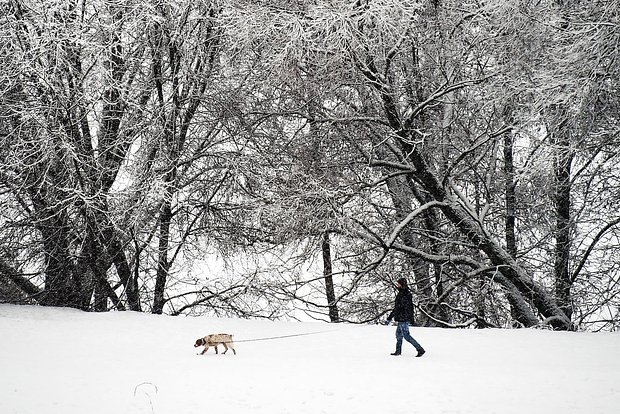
{"x":319,"y":148}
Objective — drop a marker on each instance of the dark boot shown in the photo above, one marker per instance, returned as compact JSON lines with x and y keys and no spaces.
{"x":421,"y":352}
{"x":398,"y":349}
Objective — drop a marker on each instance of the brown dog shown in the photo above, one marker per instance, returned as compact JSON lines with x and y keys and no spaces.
{"x":215,"y":340}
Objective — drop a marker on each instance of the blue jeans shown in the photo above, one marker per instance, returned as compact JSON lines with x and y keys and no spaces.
{"x":402,"y":331}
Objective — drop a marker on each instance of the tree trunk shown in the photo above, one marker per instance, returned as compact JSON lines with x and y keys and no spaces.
{"x":510,"y":190}
{"x":26,"y":287}
{"x":61,"y":287}
{"x":509,"y":174}
{"x":163,"y":265}
{"x":329,"y":280}
{"x":562,"y":201}
{"x":131,"y":283}
{"x":119,"y":258}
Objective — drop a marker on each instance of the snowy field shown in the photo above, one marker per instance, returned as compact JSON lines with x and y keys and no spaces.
{"x":70,"y":362}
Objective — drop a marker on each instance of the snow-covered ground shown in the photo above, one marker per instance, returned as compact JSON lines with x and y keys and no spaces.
{"x":66,"y":361}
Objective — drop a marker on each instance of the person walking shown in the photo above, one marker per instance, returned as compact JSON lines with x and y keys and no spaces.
{"x":403,"y":315}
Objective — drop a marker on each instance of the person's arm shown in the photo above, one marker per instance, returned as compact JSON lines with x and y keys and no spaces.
{"x":397,"y":307}
{"x":410,"y":310}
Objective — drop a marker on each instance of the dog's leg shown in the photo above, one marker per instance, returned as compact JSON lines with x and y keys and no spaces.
{"x":231,"y":346}
{"x":216,"y":349}
{"x":225,"y":348}
{"x":205,"y":350}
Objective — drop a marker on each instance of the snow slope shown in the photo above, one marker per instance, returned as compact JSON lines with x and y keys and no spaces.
{"x":66,"y":361}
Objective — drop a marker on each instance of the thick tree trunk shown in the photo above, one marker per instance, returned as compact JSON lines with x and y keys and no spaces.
{"x":163,"y":265}
{"x":562,"y":200}
{"x":560,"y":136}
{"x":61,"y":287}
{"x":509,"y":174}
{"x":510,"y":190}
{"x":329,"y":279}
{"x":26,"y":287}
{"x":173,"y":146}
{"x":119,"y":258}
{"x":95,"y":261}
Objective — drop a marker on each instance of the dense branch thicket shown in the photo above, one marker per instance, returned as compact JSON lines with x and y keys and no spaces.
{"x":271,"y":159}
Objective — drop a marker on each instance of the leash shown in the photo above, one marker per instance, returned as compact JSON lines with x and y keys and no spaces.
{"x":301,"y":334}
{"x":284,"y":336}
{"x":270,"y":338}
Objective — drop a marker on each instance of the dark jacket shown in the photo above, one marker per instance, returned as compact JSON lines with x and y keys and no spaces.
{"x":403,"y":306}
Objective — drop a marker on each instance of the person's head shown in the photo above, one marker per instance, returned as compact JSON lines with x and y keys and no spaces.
{"x":401,"y":283}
